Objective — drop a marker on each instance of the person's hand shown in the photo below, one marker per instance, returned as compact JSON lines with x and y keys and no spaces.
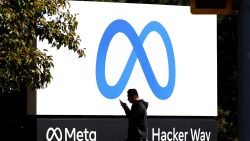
{"x":122,"y":103}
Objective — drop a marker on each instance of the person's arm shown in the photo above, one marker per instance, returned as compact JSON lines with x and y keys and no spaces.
{"x":137,"y":110}
{"x":126,"y":108}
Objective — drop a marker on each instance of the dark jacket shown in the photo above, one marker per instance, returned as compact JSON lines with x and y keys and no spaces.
{"x":137,"y":120}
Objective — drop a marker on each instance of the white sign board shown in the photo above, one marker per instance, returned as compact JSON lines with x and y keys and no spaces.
{"x":165,"y":52}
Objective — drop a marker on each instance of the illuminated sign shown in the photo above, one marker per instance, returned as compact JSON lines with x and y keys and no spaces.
{"x":168,"y":54}
{"x":137,"y":53}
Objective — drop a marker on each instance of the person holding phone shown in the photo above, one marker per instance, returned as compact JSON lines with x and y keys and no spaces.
{"x":137,"y":117}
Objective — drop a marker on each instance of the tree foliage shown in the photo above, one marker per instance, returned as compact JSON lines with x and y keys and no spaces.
{"x":21,"y":23}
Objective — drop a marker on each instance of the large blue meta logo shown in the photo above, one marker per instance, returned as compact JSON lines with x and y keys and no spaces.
{"x":122,"y":26}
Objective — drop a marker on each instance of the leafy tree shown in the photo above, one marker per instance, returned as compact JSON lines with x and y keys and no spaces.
{"x":21,"y":23}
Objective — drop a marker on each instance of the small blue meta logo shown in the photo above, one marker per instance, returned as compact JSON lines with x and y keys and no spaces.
{"x":122,"y":26}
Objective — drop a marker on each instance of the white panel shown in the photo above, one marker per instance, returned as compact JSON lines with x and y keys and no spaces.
{"x":74,"y":91}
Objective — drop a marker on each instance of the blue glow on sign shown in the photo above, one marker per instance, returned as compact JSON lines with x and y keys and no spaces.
{"x":112,"y":92}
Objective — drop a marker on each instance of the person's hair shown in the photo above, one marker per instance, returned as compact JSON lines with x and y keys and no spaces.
{"x":132,"y":92}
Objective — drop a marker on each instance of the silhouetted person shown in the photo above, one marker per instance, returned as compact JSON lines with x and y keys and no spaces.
{"x":137,"y":117}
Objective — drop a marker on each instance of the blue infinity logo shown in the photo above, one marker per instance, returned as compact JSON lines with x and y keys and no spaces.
{"x":112,"y":92}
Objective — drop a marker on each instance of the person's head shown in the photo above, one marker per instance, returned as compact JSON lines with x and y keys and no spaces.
{"x":132,"y":95}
